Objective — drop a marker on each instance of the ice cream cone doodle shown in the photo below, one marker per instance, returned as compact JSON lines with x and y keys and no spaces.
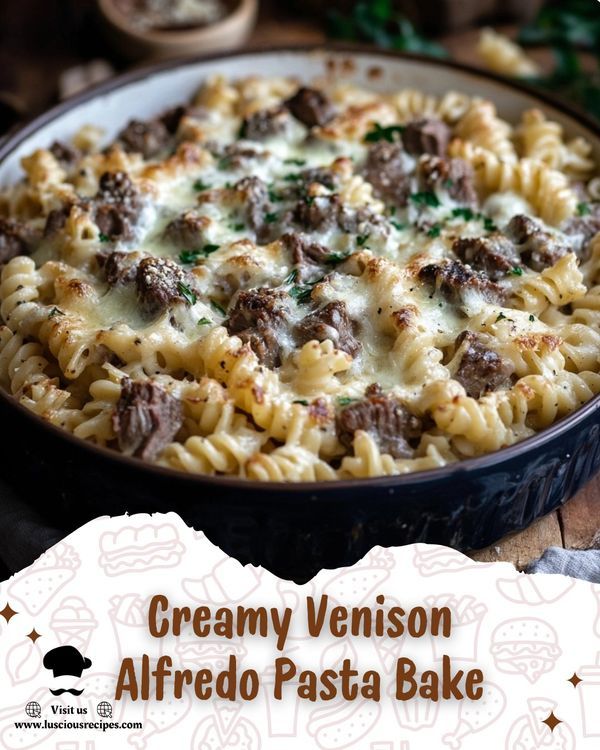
{"x":526,"y":646}
{"x":73,"y":623}
{"x":530,"y":733}
{"x":474,"y":716}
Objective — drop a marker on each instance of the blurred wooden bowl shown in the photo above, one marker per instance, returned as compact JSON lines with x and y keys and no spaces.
{"x":228,"y":33}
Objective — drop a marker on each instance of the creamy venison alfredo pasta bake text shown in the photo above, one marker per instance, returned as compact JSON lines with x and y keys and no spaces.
{"x":293,"y":283}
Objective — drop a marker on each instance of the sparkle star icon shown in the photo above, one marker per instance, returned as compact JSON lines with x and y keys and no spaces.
{"x":552,"y":722}
{"x":8,"y":612}
{"x":574,"y":680}
{"x":33,"y":636}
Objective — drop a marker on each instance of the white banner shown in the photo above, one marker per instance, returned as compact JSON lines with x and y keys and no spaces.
{"x":411,"y":648}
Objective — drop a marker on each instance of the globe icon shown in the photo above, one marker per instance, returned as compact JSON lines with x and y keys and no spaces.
{"x":33,"y":709}
{"x":104,"y":709}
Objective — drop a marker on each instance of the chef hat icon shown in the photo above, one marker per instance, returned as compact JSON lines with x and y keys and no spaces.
{"x":66,"y":660}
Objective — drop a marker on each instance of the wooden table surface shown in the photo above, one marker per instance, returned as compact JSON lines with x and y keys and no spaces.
{"x":35,"y":59}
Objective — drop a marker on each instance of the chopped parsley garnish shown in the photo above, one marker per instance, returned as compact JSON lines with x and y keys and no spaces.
{"x":237,"y":227}
{"x":103,"y":237}
{"x":517,"y":271}
{"x":200,"y":185}
{"x":464,"y":213}
{"x":448,"y":183}
{"x":218,"y":307}
{"x":301,"y":293}
{"x":397,"y":224}
{"x":583,"y":209}
{"x":190,"y":256}
{"x":345,"y":400}
{"x":300,"y":401}
{"x":380,"y":133}
{"x":532,"y":318}
{"x":54,"y":312}
{"x":501,"y":316}
{"x":291,"y":277}
{"x":295,"y":162}
{"x":204,"y":322}
{"x":309,"y":199}
{"x":361,"y":239}
{"x":425,"y":198}
{"x":274,"y":196}
{"x":271,"y":218}
{"x":435,"y":231}
{"x":187,"y":293}
{"x":223,"y":163}
{"x":335,"y":258}
{"x":292,"y":177}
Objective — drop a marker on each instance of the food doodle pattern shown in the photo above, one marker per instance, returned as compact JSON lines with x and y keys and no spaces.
{"x":535,"y":638}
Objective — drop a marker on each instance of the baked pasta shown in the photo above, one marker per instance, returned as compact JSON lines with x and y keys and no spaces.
{"x":293,"y":283}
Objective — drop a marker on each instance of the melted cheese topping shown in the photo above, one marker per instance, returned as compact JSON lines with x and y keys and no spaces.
{"x":93,"y":332}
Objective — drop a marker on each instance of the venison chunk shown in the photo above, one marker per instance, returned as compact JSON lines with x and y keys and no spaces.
{"x":455,"y":280}
{"x":116,"y":206}
{"x":118,"y":267}
{"x":538,"y":248}
{"x":385,"y":170}
{"x":331,"y":322}
{"x":158,"y":282}
{"x":581,"y":229}
{"x":258,"y":317}
{"x":427,"y":135}
{"x":264,"y":124}
{"x":64,"y":153}
{"x":187,"y":231}
{"x":309,"y":258}
{"x":254,"y":194}
{"x":146,"y":137}
{"x":495,"y":254}
{"x":481,"y":369}
{"x":317,"y":213}
{"x":311,"y":107}
{"x":387,"y":420}
{"x":146,"y":418}
{"x":455,"y":176}
{"x":15,"y":239}
{"x":56,"y":220}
